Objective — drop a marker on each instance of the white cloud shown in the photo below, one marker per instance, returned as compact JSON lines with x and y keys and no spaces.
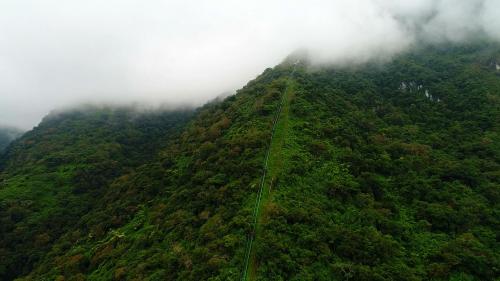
{"x":59,"y":53}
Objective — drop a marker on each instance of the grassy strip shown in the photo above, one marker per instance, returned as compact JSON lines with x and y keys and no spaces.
{"x":273,"y":168}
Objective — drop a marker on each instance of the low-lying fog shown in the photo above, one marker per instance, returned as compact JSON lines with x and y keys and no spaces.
{"x":56,"y":53}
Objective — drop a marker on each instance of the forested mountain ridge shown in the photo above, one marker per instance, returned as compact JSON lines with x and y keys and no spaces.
{"x":382,"y":172}
{"x":56,"y":173}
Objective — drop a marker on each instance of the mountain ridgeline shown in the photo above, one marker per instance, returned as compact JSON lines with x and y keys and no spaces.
{"x":370,"y":172}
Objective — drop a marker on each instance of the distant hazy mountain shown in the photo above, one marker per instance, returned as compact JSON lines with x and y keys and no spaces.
{"x":7,"y":135}
{"x":368,"y":172}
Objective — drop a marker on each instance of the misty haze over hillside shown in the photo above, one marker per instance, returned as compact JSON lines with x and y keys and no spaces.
{"x":56,"y":54}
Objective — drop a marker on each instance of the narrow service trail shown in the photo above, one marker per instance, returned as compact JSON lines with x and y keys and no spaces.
{"x":279,"y":127}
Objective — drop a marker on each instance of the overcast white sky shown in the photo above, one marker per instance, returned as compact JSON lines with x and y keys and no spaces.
{"x":57,"y":53}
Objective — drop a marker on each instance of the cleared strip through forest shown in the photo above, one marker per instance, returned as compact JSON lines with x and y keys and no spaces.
{"x":258,"y":202}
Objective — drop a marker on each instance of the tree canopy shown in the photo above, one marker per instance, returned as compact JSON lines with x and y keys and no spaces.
{"x":382,"y":172}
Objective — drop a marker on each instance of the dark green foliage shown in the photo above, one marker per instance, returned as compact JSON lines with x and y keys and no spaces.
{"x":60,"y":171}
{"x":385,"y":172}
{"x":391,"y":183}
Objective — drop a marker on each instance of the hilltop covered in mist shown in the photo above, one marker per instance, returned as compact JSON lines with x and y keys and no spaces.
{"x":180,"y":52}
{"x":7,"y":135}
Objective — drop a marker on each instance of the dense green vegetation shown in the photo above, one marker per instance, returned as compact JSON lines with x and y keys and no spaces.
{"x":61,"y":170}
{"x":384,"y":181}
{"x":376,"y":172}
{"x":7,"y":135}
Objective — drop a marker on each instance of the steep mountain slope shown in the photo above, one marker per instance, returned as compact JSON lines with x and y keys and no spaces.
{"x":194,"y":206}
{"x":7,"y":135}
{"x":390,"y":174}
{"x":60,"y":171}
{"x":375,"y":172}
